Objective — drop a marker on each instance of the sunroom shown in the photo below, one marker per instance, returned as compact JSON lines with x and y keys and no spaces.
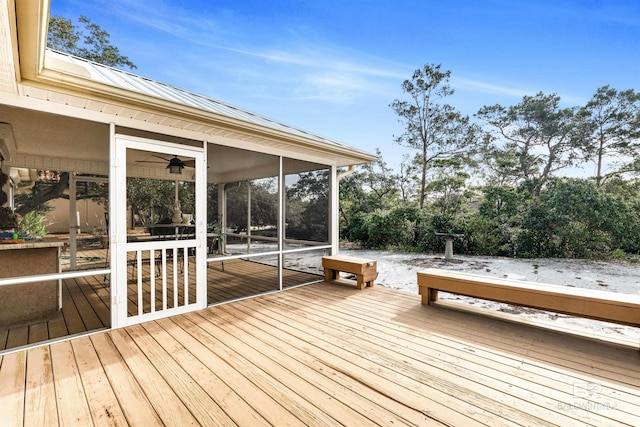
{"x":252,"y":202}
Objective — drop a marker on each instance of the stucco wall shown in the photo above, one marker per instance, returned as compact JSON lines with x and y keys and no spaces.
{"x":91,"y":216}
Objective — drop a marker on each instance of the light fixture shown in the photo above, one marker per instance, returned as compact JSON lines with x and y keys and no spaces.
{"x":175,"y":165}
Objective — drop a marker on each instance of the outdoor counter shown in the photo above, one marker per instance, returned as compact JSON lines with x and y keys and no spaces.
{"x":29,"y":302}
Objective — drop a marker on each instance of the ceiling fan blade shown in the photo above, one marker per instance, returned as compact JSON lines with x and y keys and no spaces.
{"x":189,"y":163}
{"x":150,"y":161}
{"x":163,"y":158}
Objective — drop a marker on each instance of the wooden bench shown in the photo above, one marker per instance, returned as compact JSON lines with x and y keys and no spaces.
{"x":594,"y":304}
{"x":364,"y":269}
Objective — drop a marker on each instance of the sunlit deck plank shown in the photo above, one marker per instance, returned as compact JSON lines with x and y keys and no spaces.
{"x":224,"y":398}
{"x":538,"y":344}
{"x":378,"y":375}
{"x":168,"y":405}
{"x":546,"y":382}
{"x":104,"y":407}
{"x":300,"y":389}
{"x":68,"y":387}
{"x":376,"y":407}
{"x":415,"y":363}
{"x":13,"y":369}
{"x":201,"y":345}
{"x":326,"y":354}
{"x":40,"y":405}
{"x":534,"y":398}
{"x":132,"y":398}
{"x":195,"y":399}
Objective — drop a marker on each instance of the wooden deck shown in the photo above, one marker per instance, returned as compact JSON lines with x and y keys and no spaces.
{"x":323,"y":354}
{"x":86,"y":300}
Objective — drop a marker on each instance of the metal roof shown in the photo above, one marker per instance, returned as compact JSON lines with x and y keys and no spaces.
{"x":135,"y":83}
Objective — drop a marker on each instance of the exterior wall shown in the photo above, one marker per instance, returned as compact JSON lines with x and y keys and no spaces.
{"x":91,"y":216}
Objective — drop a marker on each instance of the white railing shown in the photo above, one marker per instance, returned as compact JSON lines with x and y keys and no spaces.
{"x":165,"y":259}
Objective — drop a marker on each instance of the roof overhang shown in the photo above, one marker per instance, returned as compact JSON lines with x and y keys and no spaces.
{"x":45,"y":76}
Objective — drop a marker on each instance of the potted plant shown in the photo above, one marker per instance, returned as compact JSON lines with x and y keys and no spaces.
{"x":32,"y":225}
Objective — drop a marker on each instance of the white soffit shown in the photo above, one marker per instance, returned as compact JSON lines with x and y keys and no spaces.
{"x":7,"y":64}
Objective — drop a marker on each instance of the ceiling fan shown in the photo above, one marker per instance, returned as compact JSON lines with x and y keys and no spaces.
{"x":174,"y":164}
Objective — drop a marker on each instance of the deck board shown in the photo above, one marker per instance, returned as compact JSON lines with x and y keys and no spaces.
{"x":130,"y":395}
{"x":86,"y":300}
{"x":324,"y":354}
{"x":167,"y":404}
{"x":196,"y":400}
{"x":101,"y":399}
{"x":299,"y":393}
{"x":213,"y":395}
{"x":12,"y":387}
{"x":68,"y":387}
{"x":488,"y":383}
{"x":355,"y":361}
{"x":40,"y":405}
{"x":415,"y":366}
{"x":202,"y":344}
{"x":370,"y":404}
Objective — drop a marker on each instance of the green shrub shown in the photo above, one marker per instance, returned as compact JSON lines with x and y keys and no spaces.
{"x":31,"y":225}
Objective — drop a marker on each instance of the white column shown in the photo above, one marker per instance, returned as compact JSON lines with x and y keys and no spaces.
{"x":334,"y":199}
{"x":281,"y":219}
{"x":74,"y":222}
{"x":117,"y":221}
{"x":222,"y":213}
{"x":201,"y":227}
{"x":248,"y":216}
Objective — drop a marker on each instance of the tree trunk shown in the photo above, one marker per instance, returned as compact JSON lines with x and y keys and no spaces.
{"x":423,"y":182}
{"x":599,"y":164}
{"x":54,"y":192}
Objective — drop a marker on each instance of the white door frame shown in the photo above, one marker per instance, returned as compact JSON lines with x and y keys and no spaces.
{"x":118,"y":215}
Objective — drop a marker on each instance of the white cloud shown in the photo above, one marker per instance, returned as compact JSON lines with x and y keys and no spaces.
{"x":473,"y":85}
{"x":299,"y":65}
{"x":312,"y":68}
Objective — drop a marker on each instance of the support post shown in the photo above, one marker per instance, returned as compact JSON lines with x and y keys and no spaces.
{"x":74,"y":222}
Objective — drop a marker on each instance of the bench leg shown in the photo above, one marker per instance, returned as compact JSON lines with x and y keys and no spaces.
{"x":432,"y":295}
{"x":330,"y":274}
{"x":429,"y":296}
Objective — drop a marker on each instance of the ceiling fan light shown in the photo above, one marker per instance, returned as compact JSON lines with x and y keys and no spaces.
{"x":175,"y":166}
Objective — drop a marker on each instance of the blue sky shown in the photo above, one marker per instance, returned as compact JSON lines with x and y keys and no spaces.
{"x":332,"y":67}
